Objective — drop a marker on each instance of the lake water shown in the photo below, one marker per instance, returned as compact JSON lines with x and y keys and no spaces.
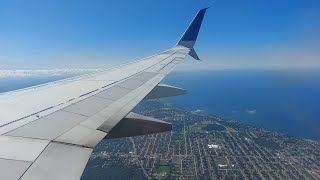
{"x":285,"y":101}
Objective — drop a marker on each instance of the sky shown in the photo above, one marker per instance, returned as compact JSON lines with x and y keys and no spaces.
{"x":246,"y":34}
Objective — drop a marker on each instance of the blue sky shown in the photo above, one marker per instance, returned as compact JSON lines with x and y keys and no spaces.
{"x":246,"y":34}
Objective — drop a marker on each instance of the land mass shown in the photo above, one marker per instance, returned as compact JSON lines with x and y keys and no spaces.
{"x":201,"y":146}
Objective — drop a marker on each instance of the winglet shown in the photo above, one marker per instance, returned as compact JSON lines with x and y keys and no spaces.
{"x":193,"y":54}
{"x":190,"y":36}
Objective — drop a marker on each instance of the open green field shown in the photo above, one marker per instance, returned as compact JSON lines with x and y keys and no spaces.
{"x":164,"y":162}
{"x":221,"y":160}
{"x":219,"y":142}
{"x":163,"y":167}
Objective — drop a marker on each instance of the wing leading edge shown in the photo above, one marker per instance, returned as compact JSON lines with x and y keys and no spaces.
{"x":49,"y":131}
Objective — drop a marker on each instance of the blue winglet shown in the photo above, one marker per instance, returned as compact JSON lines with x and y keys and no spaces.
{"x":190,"y":36}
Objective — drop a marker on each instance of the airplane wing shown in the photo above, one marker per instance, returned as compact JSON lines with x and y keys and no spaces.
{"x":49,"y":131}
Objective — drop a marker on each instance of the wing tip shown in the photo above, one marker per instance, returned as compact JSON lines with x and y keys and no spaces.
{"x":190,"y":36}
{"x":204,"y":9}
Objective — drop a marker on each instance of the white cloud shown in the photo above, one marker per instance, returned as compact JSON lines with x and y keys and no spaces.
{"x":43,"y":72}
{"x":251,"y":112}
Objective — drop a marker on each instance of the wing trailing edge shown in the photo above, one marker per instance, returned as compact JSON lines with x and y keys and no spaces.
{"x":135,"y":125}
{"x":163,"y":90}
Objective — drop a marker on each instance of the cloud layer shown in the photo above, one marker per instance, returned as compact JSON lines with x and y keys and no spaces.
{"x":43,"y":72}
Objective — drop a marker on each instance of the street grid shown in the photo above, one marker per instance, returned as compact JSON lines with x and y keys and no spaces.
{"x":241,"y":151}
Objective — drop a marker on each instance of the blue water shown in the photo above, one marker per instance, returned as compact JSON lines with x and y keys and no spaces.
{"x":285,"y":101}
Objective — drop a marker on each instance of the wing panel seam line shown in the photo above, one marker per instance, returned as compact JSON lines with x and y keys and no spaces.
{"x":34,"y":160}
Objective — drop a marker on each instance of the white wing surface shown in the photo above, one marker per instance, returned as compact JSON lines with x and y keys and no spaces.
{"x":49,"y":131}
